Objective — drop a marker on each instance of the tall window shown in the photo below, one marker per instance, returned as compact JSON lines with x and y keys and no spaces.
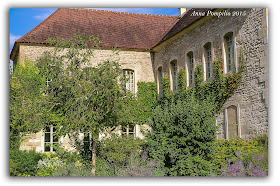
{"x":160,"y":80}
{"x":232,"y":122}
{"x":129,"y":130}
{"x":190,"y":68}
{"x":208,"y":59}
{"x":174,"y":75}
{"x":130,"y":84}
{"x":50,"y":139}
{"x":229,"y":51}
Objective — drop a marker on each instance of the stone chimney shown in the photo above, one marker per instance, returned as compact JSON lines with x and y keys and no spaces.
{"x":182,"y":11}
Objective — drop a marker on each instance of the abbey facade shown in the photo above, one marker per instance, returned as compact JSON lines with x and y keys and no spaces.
{"x":153,"y":46}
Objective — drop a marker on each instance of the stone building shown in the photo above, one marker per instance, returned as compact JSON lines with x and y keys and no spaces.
{"x":152,"y":46}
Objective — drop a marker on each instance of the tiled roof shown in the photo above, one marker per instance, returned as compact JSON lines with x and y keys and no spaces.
{"x":114,"y":29}
{"x":184,"y":22}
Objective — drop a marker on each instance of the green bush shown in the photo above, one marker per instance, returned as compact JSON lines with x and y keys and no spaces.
{"x":24,"y":163}
{"x":73,"y":169}
{"x":116,"y":151}
{"x":60,"y":163}
{"x":250,"y":153}
{"x":182,"y":136}
{"x":123,"y":156}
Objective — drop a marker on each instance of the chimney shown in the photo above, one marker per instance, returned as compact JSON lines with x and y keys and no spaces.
{"x":182,"y":11}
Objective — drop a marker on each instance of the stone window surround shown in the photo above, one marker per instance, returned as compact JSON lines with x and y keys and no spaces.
{"x":237,"y":118}
{"x":187,"y":62}
{"x":225,"y":66}
{"x":133,"y":79}
{"x":159,"y":88}
{"x":204,"y":62}
{"x":174,"y":60}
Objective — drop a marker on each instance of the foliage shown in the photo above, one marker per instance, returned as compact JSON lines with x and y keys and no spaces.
{"x":183,"y":130}
{"x":141,"y":166}
{"x":81,"y":98}
{"x":48,"y":165}
{"x":26,"y":99}
{"x":73,"y":169}
{"x":117,"y":150}
{"x":238,"y":157}
{"x":62,"y":163}
{"x":182,"y":136}
{"x":123,"y":156}
{"x":24,"y":163}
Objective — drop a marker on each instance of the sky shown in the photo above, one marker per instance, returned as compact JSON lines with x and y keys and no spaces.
{"x":22,"y":20}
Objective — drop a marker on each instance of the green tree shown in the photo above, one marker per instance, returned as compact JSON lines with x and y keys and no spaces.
{"x":81,"y":98}
{"x":26,"y":100}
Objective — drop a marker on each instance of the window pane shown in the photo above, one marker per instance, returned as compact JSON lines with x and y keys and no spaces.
{"x":55,"y":138}
{"x":131,"y":128}
{"x":48,"y":129}
{"x":47,"y":137}
{"x":47,"y":147}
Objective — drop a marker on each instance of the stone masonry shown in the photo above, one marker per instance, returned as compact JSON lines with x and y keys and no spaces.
{"x":250,"y":31}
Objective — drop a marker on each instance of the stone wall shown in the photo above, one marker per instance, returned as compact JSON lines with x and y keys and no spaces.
{"x":250,"y":31}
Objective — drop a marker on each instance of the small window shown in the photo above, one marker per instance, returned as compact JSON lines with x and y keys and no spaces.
{"x":229,"y":52}
{"x":160,"y":81}
{"x":208,"y":61}
{"x":50,"y":139}
{"x":174,"y":75}
{"x":190,"y":69}
{"x":130,"y":83}
{"x":129,"y":130}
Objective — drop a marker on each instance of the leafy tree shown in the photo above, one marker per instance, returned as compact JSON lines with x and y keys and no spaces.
{"x":183,"y":128}
{"x":82,"y":98}
{"x":26,"y":100}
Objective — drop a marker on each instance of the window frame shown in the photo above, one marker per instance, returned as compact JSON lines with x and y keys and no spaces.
{"x":208,"y":61}
{"x":229,"y":53}
{"x":159,"y":79}
{"x":130,"y":86}
{"x":51,"y":138}
{"x":173,"y":75}
{"x":128,"y":132}
{"x":190,"y":67}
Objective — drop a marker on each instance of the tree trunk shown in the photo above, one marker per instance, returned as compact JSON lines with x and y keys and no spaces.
{"x":94,"y":150}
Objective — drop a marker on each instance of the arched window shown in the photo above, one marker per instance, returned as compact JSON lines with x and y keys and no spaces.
{"x":190,"y":66}
{"x":130,"y":80}
{"x":173,"y":66}
{"x":160,"y":81}
{"x":229,"y":52}
{"x":208,"y":61}
{"x":231,"y":122}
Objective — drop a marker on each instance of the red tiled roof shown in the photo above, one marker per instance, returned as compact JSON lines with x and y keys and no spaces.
{"x":114,"y":29}
{"x":184,"y":22}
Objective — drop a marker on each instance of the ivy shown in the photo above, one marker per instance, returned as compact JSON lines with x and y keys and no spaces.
{"x":183,"y":130}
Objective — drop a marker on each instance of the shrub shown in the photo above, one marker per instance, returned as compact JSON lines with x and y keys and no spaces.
{"x":238,"y":157}
{"x":141,"y":166}
{"x":182,"y":136}
{"x":24,"y":163}
{"x":73,"y":169}
{"x":123,"y":156}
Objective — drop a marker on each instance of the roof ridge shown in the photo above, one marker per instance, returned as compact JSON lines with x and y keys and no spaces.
{"x":92,"y":9}
{"x":38,"y":25}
